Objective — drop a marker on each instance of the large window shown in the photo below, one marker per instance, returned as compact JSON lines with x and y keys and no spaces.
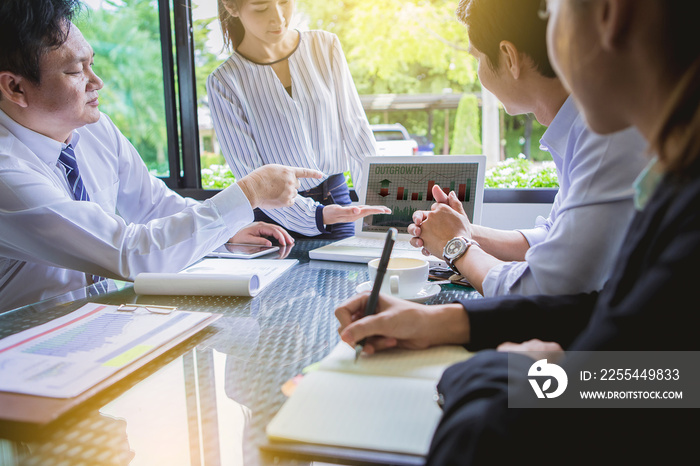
{"x":410,"y":65}
{"x":126,"y":38}
{"x":408,"y":60}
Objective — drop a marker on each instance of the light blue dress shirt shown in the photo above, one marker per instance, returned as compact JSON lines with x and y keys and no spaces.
{"x":574,"y":249}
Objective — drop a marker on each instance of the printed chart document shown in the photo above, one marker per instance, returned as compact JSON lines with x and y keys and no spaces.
{"x":215,"y":277}
{"x":67,"y":356}
{"x":385,"y":402}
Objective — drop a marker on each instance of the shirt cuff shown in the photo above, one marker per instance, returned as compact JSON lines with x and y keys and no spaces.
{"x":534,"y":236}
{"x":490,"y":284}
{"x":319,"y":220}
{"x":234,"y":208}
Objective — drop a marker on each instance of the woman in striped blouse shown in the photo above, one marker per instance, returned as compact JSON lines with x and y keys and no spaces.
{"x":287,"y":97}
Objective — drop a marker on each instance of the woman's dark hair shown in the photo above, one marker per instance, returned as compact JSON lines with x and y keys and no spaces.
{"x":491,"y":21}
{"x":231,"y":26}
{"x":677,"y":138}
{"x":28,"y":29}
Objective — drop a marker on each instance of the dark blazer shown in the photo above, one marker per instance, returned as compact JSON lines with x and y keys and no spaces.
{"x":650,"y":303}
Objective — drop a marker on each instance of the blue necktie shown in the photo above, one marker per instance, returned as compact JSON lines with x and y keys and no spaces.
{"x":67,"y":159}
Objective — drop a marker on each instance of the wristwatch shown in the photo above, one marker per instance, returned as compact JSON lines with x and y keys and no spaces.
{"x":455,"y":248}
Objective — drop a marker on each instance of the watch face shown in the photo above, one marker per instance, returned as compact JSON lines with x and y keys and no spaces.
{"x":454,"y":247}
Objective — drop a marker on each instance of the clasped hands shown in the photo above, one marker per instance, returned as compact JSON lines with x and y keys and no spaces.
{"x":432,"y":229}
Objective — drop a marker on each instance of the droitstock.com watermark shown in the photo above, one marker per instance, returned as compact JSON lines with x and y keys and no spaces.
{"x":605,"y":379}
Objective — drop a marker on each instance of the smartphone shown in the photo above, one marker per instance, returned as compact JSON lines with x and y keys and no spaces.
{"x":242,"y":251}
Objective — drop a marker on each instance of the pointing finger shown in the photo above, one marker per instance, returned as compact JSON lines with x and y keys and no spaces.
{"x":307,"y":173}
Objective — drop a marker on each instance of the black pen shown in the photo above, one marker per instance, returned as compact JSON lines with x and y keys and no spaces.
{"x":381,"y":270}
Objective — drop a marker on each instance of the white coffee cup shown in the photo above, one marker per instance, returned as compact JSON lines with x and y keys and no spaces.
{"x":404,"y":276}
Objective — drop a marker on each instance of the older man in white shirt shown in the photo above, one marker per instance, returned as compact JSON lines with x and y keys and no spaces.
{"x":121,"y":220}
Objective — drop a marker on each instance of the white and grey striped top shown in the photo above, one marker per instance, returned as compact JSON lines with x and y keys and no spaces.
{"x":321,"y":126}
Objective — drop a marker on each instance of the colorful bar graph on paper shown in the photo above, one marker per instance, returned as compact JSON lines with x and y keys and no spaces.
{"x":399,"y":194}
{"x":429,"y":197}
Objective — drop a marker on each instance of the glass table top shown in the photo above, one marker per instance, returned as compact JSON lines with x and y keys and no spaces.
{"x":208,"y":400}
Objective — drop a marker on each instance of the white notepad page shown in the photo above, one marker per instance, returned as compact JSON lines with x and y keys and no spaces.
{"x":385,"y":402}
{"x":376,"y":413}
{"x":429,"y":363}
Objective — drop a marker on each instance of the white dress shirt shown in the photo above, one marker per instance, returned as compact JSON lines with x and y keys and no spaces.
{"x":575,"y":248}
{"x":133,"y":222}
{"x":321,"y":126}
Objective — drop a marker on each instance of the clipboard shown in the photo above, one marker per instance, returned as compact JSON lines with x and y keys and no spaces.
{"x":18,"y":409}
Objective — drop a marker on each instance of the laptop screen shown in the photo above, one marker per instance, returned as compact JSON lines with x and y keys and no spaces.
{"x":405,"y":185}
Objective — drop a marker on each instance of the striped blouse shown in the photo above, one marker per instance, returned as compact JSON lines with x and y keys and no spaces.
{"x":321,"y":126}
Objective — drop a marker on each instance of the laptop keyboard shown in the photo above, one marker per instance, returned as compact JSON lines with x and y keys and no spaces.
{"x":358,"y":242}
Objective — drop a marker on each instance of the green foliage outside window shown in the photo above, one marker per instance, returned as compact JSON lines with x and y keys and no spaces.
{"x":514,"y":129}
{"x":466,"y":137}
{"x":394,"y":46}
{"x":125,"y":36}
{"x":519,"y":172}
{"x":516,"y":172}
{"x":217,"y":177}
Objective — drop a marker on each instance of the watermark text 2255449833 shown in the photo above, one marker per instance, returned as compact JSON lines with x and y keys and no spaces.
{"x":621,"y":379}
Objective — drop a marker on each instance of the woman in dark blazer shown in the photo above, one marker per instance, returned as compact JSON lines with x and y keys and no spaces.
{"x":627,"y":63}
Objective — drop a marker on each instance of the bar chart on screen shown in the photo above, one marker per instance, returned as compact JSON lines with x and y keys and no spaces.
{"x":405,"y":189}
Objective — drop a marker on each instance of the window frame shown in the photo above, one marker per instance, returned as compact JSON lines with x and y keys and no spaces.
{"x":180,"y":96}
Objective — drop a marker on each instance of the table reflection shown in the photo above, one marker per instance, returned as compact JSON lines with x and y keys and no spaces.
{"x":209,"y":400}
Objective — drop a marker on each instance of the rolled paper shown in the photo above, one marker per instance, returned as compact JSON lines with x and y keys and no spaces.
{"x":196,"y":284}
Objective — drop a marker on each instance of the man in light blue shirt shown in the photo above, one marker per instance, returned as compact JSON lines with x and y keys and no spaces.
{"x":574,"y":248}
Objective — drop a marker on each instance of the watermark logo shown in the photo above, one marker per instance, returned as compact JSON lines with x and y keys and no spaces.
{"x":541,"y":369}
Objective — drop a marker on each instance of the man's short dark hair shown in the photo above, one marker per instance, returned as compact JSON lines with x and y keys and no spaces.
{"x":491,"y":21}
{"x":29,"y":29}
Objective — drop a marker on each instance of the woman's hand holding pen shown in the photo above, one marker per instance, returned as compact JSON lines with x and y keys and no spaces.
{"x":335,"y":213}
{"x":401,"y":323}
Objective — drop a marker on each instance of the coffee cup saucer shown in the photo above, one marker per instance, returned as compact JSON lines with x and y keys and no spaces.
{"x":428,"y":291}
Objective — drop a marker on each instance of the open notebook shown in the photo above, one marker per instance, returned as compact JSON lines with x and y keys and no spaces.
{"x":384,"y":402}
{"x":405,"y":185}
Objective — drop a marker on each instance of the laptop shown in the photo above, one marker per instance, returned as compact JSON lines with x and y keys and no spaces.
{"x":404,"y":184}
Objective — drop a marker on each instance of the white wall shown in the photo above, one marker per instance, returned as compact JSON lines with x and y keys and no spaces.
{"x":512,"y":216}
